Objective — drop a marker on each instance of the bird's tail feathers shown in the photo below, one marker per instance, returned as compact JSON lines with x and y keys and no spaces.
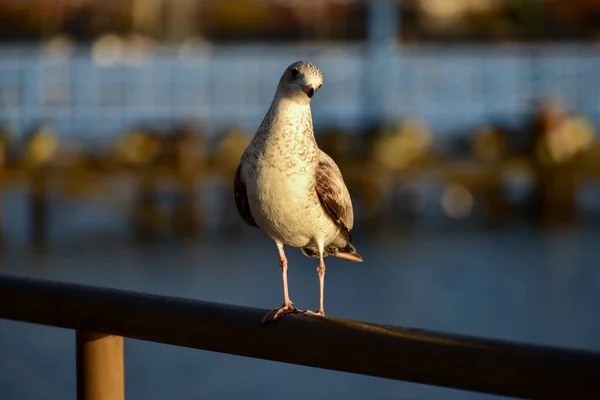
{"x":349,"y":254}
{"x":354,"y":256}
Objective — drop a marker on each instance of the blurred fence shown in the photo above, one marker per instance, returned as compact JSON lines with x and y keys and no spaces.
{"x":95,"y":94}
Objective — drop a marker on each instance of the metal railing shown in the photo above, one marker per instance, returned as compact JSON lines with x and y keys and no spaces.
{"x":462,"y":362}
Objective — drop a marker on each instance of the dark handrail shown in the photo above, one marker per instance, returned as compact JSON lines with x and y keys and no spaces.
{"x":484,"y":365}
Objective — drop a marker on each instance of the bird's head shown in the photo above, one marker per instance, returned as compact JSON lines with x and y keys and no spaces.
{"x":300,"y":82}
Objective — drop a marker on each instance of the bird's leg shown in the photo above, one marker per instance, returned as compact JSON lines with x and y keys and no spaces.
{"x":321,"y":273}
{"x":287,"y":307}
{"x":283,"y":264}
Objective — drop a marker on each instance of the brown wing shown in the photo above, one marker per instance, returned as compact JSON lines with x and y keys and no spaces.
{"x":241,"y":198}
{"x":333,"y":193}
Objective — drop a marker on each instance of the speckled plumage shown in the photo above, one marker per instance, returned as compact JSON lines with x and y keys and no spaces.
{"x":286,"y":186}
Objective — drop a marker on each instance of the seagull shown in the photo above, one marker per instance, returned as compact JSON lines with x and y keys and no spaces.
{"x":290,"y":189}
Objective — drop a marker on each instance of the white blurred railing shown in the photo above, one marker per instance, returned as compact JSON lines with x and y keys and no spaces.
{"x":450,"y":88}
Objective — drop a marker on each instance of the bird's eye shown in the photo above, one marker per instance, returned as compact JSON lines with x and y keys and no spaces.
{"x":320,"y":86}
{"x":295,"y":72}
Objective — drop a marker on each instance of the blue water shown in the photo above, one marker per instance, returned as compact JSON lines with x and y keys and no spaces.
{"x":514,"y":283}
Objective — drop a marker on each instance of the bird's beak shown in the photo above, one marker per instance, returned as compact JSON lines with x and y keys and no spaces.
{"x":309,"y":90}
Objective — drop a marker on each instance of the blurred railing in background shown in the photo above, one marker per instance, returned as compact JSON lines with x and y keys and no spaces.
{"x":98,"y":93}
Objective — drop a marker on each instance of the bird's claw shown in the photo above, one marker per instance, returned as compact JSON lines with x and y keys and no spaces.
{"x":279,"y":312}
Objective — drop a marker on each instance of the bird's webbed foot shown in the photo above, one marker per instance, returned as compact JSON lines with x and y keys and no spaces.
{"x":279,"y":312}
{"x":320,"y":313}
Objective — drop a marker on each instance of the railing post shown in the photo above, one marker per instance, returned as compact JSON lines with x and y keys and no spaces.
{"x":100,"y":367}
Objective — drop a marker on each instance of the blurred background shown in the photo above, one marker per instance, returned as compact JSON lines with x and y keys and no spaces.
{"x":465,"y":130}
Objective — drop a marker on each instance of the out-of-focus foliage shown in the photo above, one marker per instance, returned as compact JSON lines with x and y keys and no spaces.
{"x":318,"y":20}
{"x":404,"y":146}
{"x":500,"y":20}
{"x":167,"y":20}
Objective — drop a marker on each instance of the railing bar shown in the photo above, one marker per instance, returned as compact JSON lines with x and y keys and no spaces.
{"x":462,"y":362}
